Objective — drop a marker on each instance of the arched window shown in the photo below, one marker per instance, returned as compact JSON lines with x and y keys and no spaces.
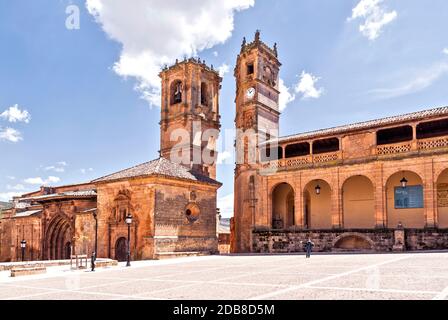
{"x":204,"y":94}
{"x":176,"y":92}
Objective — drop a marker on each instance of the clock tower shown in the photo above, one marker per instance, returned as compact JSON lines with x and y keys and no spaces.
{"x":257,"y":119}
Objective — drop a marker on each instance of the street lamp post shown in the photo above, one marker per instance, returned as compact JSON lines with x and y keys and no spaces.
{"x":129,"y":222}
{"x":95,"y":253}
{"x":23,"y":246}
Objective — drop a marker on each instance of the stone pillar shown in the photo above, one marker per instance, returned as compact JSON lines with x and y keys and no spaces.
{"x":298,"y":203}
{"x":399,"y":239}
{"x":430,"y":196}
{"x":414,"y":142}
{"x":336,"y":203}
{"x":380,"y":199}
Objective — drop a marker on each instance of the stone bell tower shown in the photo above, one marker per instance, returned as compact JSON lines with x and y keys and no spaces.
{"x":190,"y":120}
{"x":257,"y":119}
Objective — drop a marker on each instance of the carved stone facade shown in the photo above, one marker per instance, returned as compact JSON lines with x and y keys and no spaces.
{"x":356,"y":183}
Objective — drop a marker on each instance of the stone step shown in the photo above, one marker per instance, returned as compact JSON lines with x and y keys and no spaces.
{"x":175,"y":254}
{"x":26,"y":271}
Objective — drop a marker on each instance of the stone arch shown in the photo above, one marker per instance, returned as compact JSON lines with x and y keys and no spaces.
{"x":442,"y":198}
{"x":57,"y":235}
{"x":358,"y":202}
{"x":317,"y":206}
{"x":176,"y":92}
{"x":283,"y":209}
{"x":400,"y":208}
{"x":353,"y":241}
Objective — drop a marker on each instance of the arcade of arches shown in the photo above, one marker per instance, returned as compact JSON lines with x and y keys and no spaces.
{"x":358,"y":203}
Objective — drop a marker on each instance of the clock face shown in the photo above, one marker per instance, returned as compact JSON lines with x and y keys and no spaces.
{"x":250,"y":93}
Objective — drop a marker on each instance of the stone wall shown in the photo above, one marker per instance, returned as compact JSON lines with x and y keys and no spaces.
{"x":431,"y":239}
{"x":174,"y":231}
{"x":380,"y":240}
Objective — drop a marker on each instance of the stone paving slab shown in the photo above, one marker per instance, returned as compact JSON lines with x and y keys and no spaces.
{"x":334,"y":294}
{"x":372,"y":276}
{"x":207,"y":291}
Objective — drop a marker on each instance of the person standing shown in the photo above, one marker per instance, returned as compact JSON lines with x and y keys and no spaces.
{"x":309,"y":247}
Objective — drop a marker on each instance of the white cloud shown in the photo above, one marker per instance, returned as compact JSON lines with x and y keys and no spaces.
{"x":14,"y":114}
{"x":154,"y":33}
{"x":420,"y":80}
{"x":223,"y":69}
{"x":286,"y":96}
{"x":225,"y":204}
{"x":376,"y":17}
{"x":215,"y":53}
{"x":7,"y":196}
{"x":307,"y":86}
{"x":11,"y":177}
{"x":445,"y":51}
{"x":224,"y":158}
{"x":16,"y":187}
{"x":40,"y":181}
{"x":10,"y":134}
{"x":59,"y":167}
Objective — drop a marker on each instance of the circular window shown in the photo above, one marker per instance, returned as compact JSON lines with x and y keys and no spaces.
{"x":192,"y":213}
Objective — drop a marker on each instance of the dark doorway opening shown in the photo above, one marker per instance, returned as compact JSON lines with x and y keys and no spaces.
{"x":121,"y":249}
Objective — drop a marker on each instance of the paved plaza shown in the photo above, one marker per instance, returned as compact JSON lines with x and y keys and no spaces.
{"x":290,"y":277}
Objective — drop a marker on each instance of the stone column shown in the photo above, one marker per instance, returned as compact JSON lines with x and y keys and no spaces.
{"x":336,"y":202}
{"x":414,"y":137}
{"x":298,"y":202}
{"x":380,"y":198}
{"x":429,"y":196}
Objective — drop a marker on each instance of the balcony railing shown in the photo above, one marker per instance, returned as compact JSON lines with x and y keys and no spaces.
{"x":382,"y":150}
{"x":395,"y":148}
{"x":433,"y":143}
{"x":296,"y":162}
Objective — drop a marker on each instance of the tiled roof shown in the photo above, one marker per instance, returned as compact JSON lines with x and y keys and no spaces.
{"x":160,"y":166}
{"x":69,"y":194}
{"x":27,"y":213}
{"x":367,"y":124}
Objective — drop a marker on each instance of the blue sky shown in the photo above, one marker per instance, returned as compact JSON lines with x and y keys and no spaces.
{"x":84,"y":95}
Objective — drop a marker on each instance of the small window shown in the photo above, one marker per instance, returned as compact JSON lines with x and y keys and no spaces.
{"x":203,"y":94}
{"x":176,"y":92}
{"x":432,"y":129}
{"x":192,"y":213}
{"x":297,"y":150}
{"x":394,"y":135}
{"x":326,"y":145}
{"x":250,"y":68}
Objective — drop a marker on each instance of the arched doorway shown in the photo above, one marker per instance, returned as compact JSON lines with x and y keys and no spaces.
{"x":442,"y":199}
{"x":353,"y":242}
{"x":121,"y":249}
{"x":67,"y":250}
{"x":282,"y":206}
{"x":358,"y":203}
{"x":317,"y":205}
{"x":58,"y":234}
{"x":405,"y":205}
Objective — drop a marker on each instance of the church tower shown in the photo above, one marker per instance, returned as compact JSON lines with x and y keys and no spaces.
{"x":190,"y":120}
{"x":257,"y":119}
